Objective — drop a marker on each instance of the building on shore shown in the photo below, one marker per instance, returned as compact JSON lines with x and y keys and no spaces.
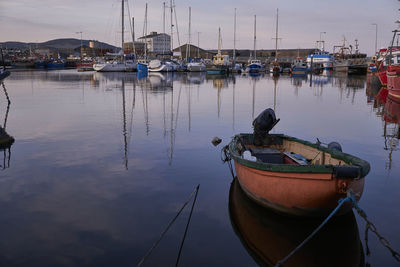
{"x":157,"y":43}
{"x":139,"y":48}
{"x":194,"y":52}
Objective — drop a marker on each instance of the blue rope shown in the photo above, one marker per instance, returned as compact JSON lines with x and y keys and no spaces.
{"x":341,"y":202}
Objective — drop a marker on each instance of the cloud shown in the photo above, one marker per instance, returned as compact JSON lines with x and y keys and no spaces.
{"x":299,"y":25}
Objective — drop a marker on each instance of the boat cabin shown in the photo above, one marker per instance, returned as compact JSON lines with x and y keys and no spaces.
{"x":221,"y":60}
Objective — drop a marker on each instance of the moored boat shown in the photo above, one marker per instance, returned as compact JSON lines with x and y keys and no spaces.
{"x":310,"y":186}
{"x":196,"y":65}
{"x":220,"y":63}
{"x":393,"y":81}
{"x":299,"y":67}
{"x":293,"y":176}
{"x":142,"y":66}
{"x":157,"y":65}
{"x":255,"y":66}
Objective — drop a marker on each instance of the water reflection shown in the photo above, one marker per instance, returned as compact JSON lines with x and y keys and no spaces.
{"x":269,"y":237}
{"x":391,"y":129}
{"x":388,"y":110}
{"x":6,"y":140}
{"x":140,"y":143}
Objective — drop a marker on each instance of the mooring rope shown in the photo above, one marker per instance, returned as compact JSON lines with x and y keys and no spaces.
{"x":370,"y":226}
{"x":187,"y":225}
{"x":195,"y":192}
{"x":341,"y":202}
{"x":226,"y":157}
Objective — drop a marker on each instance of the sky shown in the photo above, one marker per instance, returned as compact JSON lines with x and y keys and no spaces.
{"x":301,"y":23}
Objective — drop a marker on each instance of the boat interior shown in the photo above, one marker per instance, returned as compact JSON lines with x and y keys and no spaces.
{"x":284,"y":151}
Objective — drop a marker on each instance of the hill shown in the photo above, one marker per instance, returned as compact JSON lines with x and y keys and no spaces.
{"x":62,"y":44}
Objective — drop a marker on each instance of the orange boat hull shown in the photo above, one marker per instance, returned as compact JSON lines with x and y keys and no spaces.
{"x":301,"y":194}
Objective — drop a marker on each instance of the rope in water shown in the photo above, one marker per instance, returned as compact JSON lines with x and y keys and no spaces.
{"x":370,"y":226}
{"x":187,"y":225}
{"x":226,"y":157}
{"x":341,"y":202}
{"x":194,"y":193}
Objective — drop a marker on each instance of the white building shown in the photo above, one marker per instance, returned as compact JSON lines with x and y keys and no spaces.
{"x":157,"y":42}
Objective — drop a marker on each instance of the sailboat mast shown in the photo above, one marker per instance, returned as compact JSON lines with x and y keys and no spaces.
{"x":198,"y":44}
{"x":234,"y":38}
{"x":219,"y":41}
{"x":163,"y":28}
{"x":276,"y":37}
{"x":122,"y":27}
{"x":255,"y":38}
{"x":172,"y":31}
{"x":145,"y":33}
{"x":190,"y":21}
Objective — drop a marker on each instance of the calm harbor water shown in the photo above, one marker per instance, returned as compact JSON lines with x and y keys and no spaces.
{"x":102,"y":162}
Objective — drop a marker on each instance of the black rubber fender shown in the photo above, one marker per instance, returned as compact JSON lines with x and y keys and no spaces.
{"x":346,"y":172}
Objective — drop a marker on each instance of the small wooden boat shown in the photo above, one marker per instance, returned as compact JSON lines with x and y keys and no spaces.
{"x":296,"y":177}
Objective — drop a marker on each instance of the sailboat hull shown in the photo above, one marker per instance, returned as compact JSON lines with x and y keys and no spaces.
{"x":114,"y":67}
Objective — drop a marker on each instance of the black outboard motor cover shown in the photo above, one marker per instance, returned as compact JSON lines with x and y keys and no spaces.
{"x":264,"y":123}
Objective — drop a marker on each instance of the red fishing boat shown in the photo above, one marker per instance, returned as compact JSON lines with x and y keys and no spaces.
{"x":393,"y":81}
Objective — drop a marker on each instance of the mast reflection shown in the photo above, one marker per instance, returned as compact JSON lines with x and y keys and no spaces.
{"x":6,"y":140}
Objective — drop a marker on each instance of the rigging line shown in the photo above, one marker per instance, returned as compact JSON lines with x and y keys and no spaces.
{"x":132,"y":32}
{"x":169,"y":226}
{"x":187,"y":225}
{"x":177,"y":31}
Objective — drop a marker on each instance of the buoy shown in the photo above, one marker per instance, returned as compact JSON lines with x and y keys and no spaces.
{"x":216,"y":141}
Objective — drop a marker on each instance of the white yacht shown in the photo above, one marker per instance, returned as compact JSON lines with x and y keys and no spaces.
{"x":157,"y":65}
{"x":115,"y":66}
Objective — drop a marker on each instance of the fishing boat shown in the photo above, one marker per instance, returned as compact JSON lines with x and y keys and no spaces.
{"x":255,"y":66}
{"x":220,"y":63}
{"x":299,"y":67}
{"x":393,"y":73}
{"x":55,"y":64}
{"x":296,"y":177}
{"x":393,"y":81}
{"x":349,"y":62}
{"x":269,"y":237}
{"x":196,"y":65}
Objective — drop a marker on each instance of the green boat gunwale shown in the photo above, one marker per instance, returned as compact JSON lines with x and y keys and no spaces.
{"x":363,"y":165}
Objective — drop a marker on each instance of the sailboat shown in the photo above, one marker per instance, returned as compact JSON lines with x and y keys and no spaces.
{"x":196,"y":64}
{"x":276,"y":68}
{"x":220,"y":63}
{"x":142,"y":65}
{"x":157,"y":65}
{"x":255,"y":65}
{"x":117,"y":65}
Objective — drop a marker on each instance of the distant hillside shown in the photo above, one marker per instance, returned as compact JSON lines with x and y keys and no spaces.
{"x":64,"y":43}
